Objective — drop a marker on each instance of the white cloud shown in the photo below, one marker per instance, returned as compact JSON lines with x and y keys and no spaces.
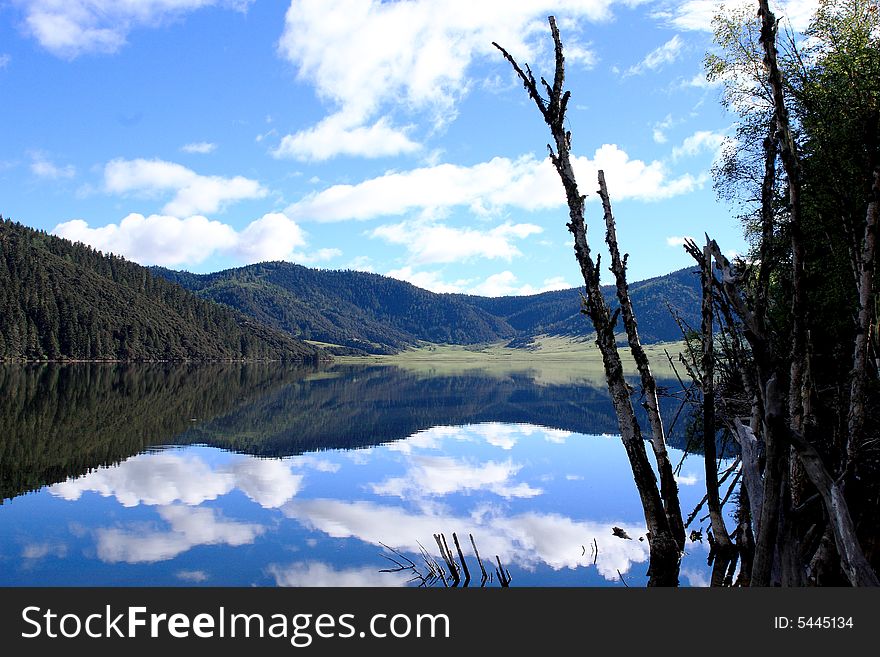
{"x":434,"y":476}
{"x":526,"y":183}
{"x":318,"y":574}
{"x":660,"y":128}
{"x":677,"y":241}
{"x":195,"y":576}
{"x":193,"y":193}
{"x":335,"y":135}
{"x":659,"y":57}
{"x":189,"y":527}
{"x":699,"y":142}
{"x":199,"y":147}
{"x":170,"y":241}
{"x":430,"y":243}
{"x":363,"y":56}
{"x":165,"y":478}
{"x":698,"y":14}
{"x":427,"y":280}
{"x":506,"y":284}
{"x":69,"y":28}
{"x":4,"y":60}
{"x":526,"y":539}
{"x":495,"y":285}
{"x":41,"y":550}
{"x":43,"y":167}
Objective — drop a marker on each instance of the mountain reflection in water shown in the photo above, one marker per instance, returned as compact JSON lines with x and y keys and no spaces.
{"x":241,"y":474}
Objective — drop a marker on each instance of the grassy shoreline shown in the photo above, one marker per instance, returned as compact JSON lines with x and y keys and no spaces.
{"x":548,"y":358}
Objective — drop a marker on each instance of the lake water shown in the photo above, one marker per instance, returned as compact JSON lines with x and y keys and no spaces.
{"x":266,"y":475}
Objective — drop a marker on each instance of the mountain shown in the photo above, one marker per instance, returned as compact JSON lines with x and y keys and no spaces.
{"x":60,"y":300}
{"x":558,"y":312}
{"x":368,"y":313}
{"x":361,"y":311}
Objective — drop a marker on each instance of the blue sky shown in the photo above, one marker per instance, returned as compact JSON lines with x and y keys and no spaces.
{"x":381,"y":136}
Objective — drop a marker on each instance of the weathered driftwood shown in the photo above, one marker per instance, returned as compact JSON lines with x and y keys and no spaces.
{"x":852,"y":558}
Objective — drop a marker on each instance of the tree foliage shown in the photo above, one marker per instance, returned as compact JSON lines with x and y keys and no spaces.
{"x":60,"y":300}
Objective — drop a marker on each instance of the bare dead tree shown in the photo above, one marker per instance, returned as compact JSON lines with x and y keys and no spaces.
{"x":865,"y":288}
{"x":776,"y":428}
{"x":723,"y":548}
{"x":661,"y":506}
{"x":791,"y":164}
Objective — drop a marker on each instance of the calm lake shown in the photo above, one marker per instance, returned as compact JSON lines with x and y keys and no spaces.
{"x":269,"y":475}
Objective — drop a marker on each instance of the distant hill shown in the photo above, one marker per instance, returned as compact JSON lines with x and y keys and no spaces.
{"x":60,"y":300}
{"x":559,"y":312}
{"x":368,"y":313}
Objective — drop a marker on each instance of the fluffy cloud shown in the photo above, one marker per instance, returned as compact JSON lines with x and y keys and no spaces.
{"x":699,"y":142}
{"x":188,"y":528}
{"x":526,"y":539}
{"x":362,"y":56}
{"x":429,"y":243}
{"x":43,"y":167}
{"x":166,"y":478}
{"x":427,"y":280}
{"x":495,"y":285}
{"x":315,"y":573}
{"x":193,"y":193}
{"x":506,"y":283}
{"x":443,"y":475}
{"x":70,"y":28}
{"x":337,"y":135}
{"x":170,"y":241}
{"x":4,"y":60}
{"x":698,"y":14}
{"x":526,"y":182}
{"x":659,"y":57}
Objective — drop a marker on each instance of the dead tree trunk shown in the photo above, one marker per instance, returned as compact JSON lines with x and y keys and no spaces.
{"x":856,"y":415}
{"x":723,"y":546}
{"x":791,"y":164}
{"x":668,"y":485}
{"x":780,"y":436}
{"x":665,"y":554}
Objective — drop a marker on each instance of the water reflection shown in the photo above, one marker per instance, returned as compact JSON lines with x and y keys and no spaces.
{"x":278,"y":476}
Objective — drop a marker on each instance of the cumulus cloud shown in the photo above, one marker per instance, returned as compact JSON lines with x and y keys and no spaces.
{"x":362,"y":56}
{"x":659,"y":57}
{"x":170,"y":241}
{"x":199,"y":147}
{"x":43,"y":167}
{"x":443,"y":475}
{"x":316,"y":573}
{"x":74,"y":27}
{"x":700,"y":142}
{"x":526,"y":183}
{"x":526,"y":539}
{"x":166,"y":478}
{"x":698,"y":14}
{"x":429,"y":243}
{"x":501,"y":284}
{"x":193,"y":193}
{"x":506,"y":283}
{"x":188,"y":528}
{"x":337,"y":135}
